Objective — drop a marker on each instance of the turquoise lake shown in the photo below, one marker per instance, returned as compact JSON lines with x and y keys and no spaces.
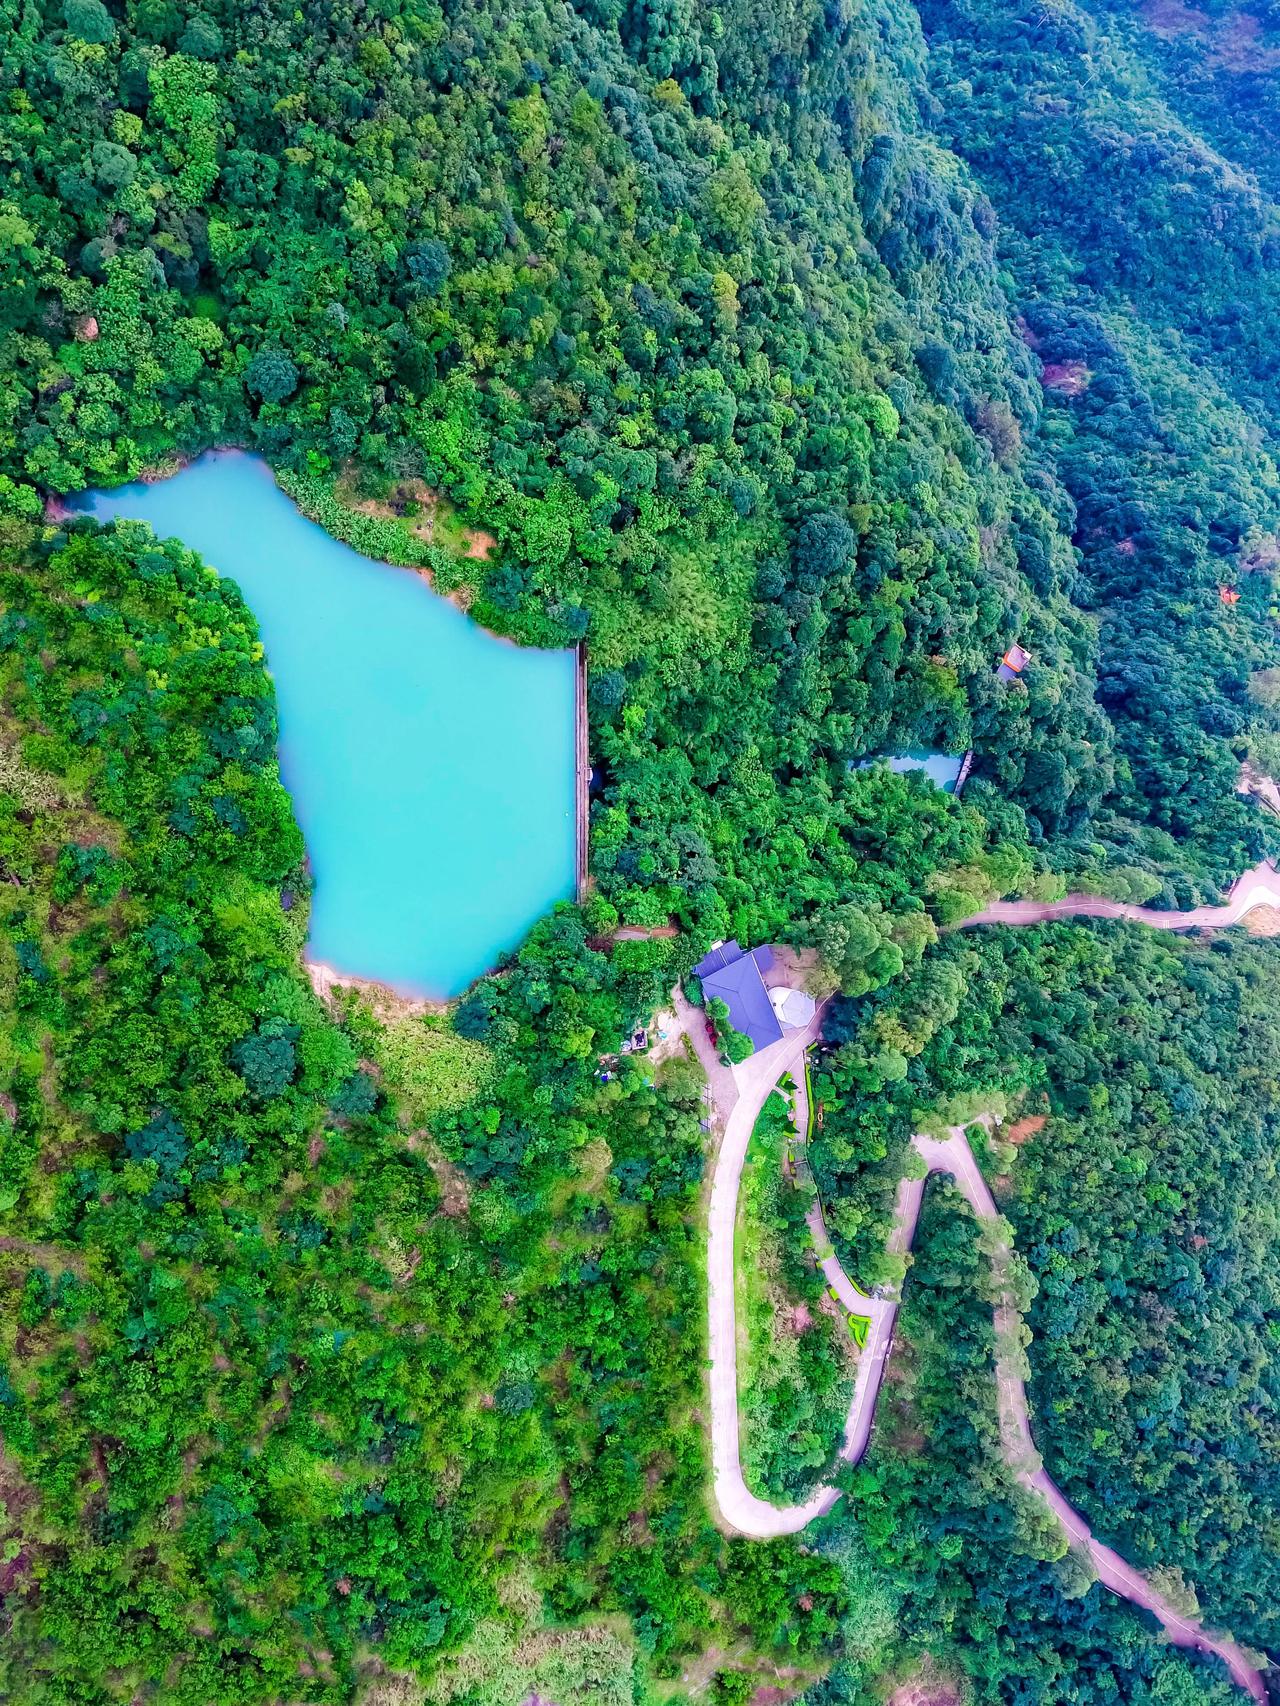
{"x":432,"y":766}
{"x":942,"y":768}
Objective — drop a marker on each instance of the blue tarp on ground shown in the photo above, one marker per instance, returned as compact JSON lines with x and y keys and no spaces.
{"x":734,"y":977}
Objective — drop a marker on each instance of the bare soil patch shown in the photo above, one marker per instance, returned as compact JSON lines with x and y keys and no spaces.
{"x":1237,"y":42}
{"x":668,"y":1047}
{"x":425,"y":513}
{"x":793,"y":968}
{"x":927,"y":1689}
{"x":1067,"y":378}
{"x":386,"y":1003}
{"x":1263,"y":921}
{"x":479,"y":543}
{"x":1241,"y":46}
{"x":1169,"y":18}
{"x":407,"y":495}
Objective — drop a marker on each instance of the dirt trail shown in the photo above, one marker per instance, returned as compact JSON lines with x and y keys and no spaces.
{"x":737,"y":1096}
{"x":954,"y":1156}
{"x":1258,"y":887}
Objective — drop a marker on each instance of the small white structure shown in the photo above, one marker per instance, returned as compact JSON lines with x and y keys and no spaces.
{"x":793,"y":1007}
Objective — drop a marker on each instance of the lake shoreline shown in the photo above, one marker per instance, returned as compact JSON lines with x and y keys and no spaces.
{"x":57,"y":509}
{"x":387,"y":1000}
{"x":582,"y":776}
{"x":441,"y":808}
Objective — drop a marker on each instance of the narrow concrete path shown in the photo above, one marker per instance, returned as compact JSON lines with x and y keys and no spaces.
{"x":738,"y":1105}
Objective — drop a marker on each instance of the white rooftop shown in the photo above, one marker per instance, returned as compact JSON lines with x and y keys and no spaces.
{"x":793,"y":1007}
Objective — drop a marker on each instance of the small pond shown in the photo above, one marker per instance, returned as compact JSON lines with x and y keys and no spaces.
{"x":432,"y":766}
{"x":942,"y":768}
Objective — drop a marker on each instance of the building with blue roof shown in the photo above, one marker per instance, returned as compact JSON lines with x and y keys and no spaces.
{"x":731,"y":975}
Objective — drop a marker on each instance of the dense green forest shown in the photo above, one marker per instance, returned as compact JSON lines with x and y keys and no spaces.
{"x":945,"y":1557}
{"x":1143,"y":264}
{"x":772,"y":447}
{"x":1139,"y":1081}
{"x":284,"y":1379}
{"x":799,"y":359}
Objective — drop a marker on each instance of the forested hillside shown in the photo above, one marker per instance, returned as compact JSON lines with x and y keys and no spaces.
{"x":799,"y":359}
{"x":1143,"y":264}
{"x":947,"y":1558}
{"x":1137,"y":1166}
{"x":772,"y":446}
{"x":282,"y":1378}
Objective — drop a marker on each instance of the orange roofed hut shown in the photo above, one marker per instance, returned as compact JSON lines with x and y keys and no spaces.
{"x":1014,"y":661}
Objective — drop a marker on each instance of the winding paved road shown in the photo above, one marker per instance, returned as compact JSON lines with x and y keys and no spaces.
{"x":737,"y":1095}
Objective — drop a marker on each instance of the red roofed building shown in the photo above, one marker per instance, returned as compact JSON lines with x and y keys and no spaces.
{"x":1014,"y":661}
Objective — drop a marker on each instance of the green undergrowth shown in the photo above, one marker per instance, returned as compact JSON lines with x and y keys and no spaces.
{"x":330,"y":1354}
{"x":387,"y":537}
{"x":795,"y":1378}
{"x":857,"y":1162}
